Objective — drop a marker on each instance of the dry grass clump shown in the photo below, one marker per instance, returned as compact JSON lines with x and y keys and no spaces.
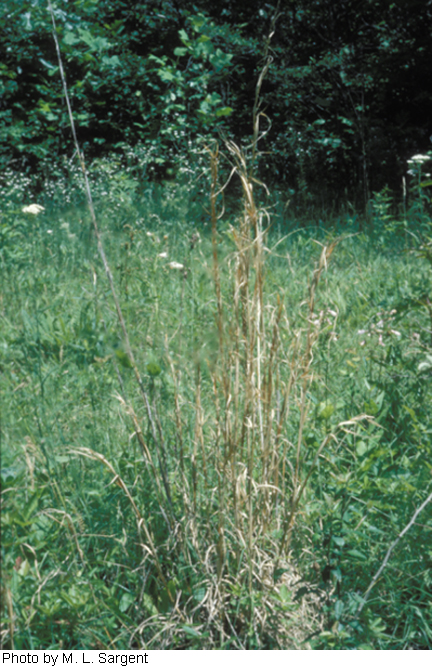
{"x":280,"y":622}
{"x":229,"y":491}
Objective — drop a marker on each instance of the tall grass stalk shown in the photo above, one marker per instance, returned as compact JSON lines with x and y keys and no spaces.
{"x":240,"y":475}
{"x":156,"y":433}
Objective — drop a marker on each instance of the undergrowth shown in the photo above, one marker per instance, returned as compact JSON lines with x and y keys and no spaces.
{"x":215,"y":426}
{"x":255,"y":510}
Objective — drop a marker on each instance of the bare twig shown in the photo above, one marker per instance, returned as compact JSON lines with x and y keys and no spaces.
{"x":390,"y":550}
{"x":158,"y":438}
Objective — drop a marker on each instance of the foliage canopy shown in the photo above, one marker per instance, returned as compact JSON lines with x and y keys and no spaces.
{"x":349,"y":93}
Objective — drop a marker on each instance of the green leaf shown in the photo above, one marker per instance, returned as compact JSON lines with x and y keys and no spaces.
{"x":184,"y":37}
{"x":32,"y":505}
{"x":123,"y":358}
{"x":285,"y":593}
{"x":62,"y":459}
{"x":197,"y":22}
{"x":111,"y":61}
{"x":24,"y":569}
{"x":199,"y":594}
{"x":358,"y":554}
{"x":48,"y":65}
{"x":339,"y":607}
{"x":126,"y":601}
{"x":153,"y":369}
{"x":168,"y":596}
{"x":148,"y":605}
{"x":411,"y":412}
{"x":191,"y":631}
{"x":224,"y":111}
{"x":371,"y":407}
{"x":325,"y":411}
{"x":361,"y":448}
{"x":166,"y":75}
{"x":70,"y":39}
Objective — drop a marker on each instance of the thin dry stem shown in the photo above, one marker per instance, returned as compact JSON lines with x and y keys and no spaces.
{"x":157,"y":437}
{"x":390,"y":550}
{"x":142,"y":524}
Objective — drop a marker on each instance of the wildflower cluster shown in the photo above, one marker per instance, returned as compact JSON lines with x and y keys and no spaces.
{"x":377,"y":331}
{"x":416,"y":163}
{"x":326,"y":321}
{"x":34,"y":209}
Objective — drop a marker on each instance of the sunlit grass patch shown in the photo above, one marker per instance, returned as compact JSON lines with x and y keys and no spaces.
{"x":250,"y":410}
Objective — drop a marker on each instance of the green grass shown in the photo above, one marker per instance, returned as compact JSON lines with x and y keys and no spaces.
{"x":195,"y":537}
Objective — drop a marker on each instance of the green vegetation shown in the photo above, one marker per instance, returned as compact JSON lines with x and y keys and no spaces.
{"x":189,"y":531}
{"x":216,"y":428}
{"x":347,"y":96}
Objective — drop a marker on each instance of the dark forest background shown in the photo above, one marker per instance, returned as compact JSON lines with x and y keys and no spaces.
{"x":347,"y":98}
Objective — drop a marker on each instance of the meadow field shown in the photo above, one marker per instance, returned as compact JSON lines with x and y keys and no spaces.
{"x":225,"y":452}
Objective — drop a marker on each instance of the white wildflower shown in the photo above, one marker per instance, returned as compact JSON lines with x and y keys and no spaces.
{"x":164,"y":254}
{"x":426,"y":365}
{"x":419,"y":158}
{"x":175,"y":265}
{"x":33,"y":208}
{"x":49,"y":231}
